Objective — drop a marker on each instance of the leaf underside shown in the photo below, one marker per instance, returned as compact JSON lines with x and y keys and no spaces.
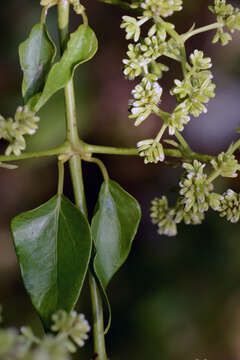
{"x":81,"y":47}
{"x":36,"y":56}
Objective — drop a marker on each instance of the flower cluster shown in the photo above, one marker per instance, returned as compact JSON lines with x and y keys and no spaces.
{"x":13,"y":130}
{"x":196,"y":196}
{"x":74,"y":325}
{"x":163,"y":216}
{"x":229,"y":206}
{"x":26,"y":346}
{"x":151,"y":150}
{"x":227,"y":16}
{"x":196,"y":88}
{"x":226,"y":165}
{"x":162,"y":8}
{"x":146,"y":96}
{"x":195,"y":188}
{"x":142,"y":54}
{"x":178,"y":119}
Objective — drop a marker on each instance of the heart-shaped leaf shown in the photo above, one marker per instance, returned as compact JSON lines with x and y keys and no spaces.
{"x":81,"y":47}
{"x":53,"y":246}
{"x":36,"y":56}
{"x":114,"y":227}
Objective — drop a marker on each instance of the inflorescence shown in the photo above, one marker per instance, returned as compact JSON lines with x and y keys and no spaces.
{"x":13,"y":130}
{"x":71,"y":332}
{"x":192,"y":94}
{"x":196,"y":196}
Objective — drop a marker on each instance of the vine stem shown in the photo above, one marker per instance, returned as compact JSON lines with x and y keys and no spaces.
{"x":77,"y":180}
{"x":67,"y":150}
{"x":202,"y":29}
{"x":182,"y":141}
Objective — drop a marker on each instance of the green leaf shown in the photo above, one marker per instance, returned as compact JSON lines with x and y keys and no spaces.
{"x":36,"y":56}
{"x":114,"y":227}
{"x":81,"y":47}
{"x":53,"y":246}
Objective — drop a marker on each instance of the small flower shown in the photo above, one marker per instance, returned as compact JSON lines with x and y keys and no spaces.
{"x":215,"y":201}
{"x":226,"y":165}
{"x":159,"y":31}
{"x":199,"y":62}
{"x":146,"y":96}
{"x":151,"y":150}
{"x":195,"y":188}
{"x":163,"y":216}
{"x":133,"y":65}
{"x":13,"y":131}
{"x":178,"y":119}
{"x":74,"y":325}
{"x":173,"y":48}
{"x":153,"y":47}
{"x":162,"y":8}
{"x":227,"y":16}
{"x":230,"y":206}
{"x":221,"y":37}
{"x":188,"y":217}
{"x":132,"y":26}
{"x":197,"y":89}
{"x":157,"y":69}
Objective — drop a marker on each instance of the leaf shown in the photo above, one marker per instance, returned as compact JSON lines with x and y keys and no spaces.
{"x":114,"y":227}
{"x":36,"y":56}
{"x":81,"y":47}
{"x":53,"y":246}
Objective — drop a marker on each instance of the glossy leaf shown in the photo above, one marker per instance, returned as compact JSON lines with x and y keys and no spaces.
{"x":36,"y":56}
{"x":114,"y":227}
{"x":53,"y":246}
{"x":81,"y":47}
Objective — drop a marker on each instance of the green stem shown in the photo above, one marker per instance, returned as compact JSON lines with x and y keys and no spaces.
{"x":202,"y":29}
{"x":213,"y":175}
{"x":77,"y":180}
{"x":182,"y":141}
{"x":161,"y":132}
{"x":100,"y":351}
{"x":232,"y":148}
{"x":98,"y":149}
{"x":60,"y":177}
{"x":65,"y":148}
{"x":101,"y":166}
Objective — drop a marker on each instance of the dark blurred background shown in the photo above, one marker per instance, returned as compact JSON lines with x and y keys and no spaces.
{"x":176,"y":298}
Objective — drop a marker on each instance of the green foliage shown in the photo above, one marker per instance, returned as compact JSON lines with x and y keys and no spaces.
{"x":114,"y":226}
{"x":53,"y":245}
{"x":81,"y":47}
{"x":36,"y":56}
{"x":54,"y":242}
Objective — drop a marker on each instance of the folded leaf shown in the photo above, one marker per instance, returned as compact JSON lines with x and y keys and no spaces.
{"x":81,"y":47}
{"x":36,"y":56}
{"x":53,"y":246}
{"x":114,"y":227}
